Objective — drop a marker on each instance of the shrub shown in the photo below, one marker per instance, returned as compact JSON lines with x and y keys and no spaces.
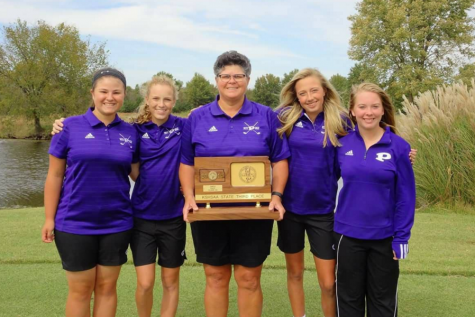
{"x":441,"y":125}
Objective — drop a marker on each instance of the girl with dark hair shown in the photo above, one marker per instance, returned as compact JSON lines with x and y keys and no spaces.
{"x":87,"y":204}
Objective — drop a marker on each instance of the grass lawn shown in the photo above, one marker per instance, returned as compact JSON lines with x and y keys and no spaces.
{"x":438,"y":278}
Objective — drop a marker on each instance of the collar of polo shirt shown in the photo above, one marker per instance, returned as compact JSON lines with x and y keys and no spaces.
{"x":217,"y":111}
{"x":93,"y":120}
{"x":168,"y":124}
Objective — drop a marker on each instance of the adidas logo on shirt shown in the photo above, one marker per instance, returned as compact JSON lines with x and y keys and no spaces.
{"x":349,"y":153}
{"x":213,"y":129}
{"x":89,"y":136}
{"x":299,"y":124}
{"x":145,"y":136}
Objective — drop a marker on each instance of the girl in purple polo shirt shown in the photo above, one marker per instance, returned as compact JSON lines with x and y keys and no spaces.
{"x":376,"y":207}
{"x":311,"y":117}
{"x":157,"y":201}
{"x":87,"y":205}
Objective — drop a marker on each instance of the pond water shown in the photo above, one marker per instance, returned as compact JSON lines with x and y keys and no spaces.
{"x":23,"y":169}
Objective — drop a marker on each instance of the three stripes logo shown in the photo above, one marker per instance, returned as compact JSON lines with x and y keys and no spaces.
{"x":349,"y":153}
{"x":213,"y":129}
{"x":89,"y":136}
{"x":145,"y":136}
{"x":299,"y":124}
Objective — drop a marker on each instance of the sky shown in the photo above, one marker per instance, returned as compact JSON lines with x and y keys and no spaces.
{"x":183,"y":37}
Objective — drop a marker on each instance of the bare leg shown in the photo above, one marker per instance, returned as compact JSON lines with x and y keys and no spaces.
{"x":295,"y":271}
{"x":144,"y":291}
{"x":170,"y":284}
{"x":249,"y":290}
{"x":105,"y":291}
{"x":326,"y":279}
{"x":81,"y":285}
{"x":217,"y":290}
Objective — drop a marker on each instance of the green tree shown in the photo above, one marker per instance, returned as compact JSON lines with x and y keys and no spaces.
{"x":408,"y":46}
{"x":178,"y":83}
{"x":288,"y":77}
{"x":47,"y":69}
{"x":466,"y":74}
{"x":342,"y":85}
{"x":267,"y":90}
{"x":133,"y":99}
{"x":198,"y":91}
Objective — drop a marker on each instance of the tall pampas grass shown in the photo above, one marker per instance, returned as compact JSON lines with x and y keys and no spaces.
{"x":441,"y":125}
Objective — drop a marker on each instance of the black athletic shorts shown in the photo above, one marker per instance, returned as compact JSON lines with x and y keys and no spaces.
{"x":83,"y":252}
{"x":166,"y":238}
{"x":319,"y":229}
{"x":241,"y":242}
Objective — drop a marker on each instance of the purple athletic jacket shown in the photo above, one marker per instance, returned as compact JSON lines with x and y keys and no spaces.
{"x":95,"y":194}
{"x":157,"y":194}
{"x":377,"y":200}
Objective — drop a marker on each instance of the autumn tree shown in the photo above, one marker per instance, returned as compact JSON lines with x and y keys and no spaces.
{"x":47,"y":70}
{"x":342,"y":86}
{"x":267,"y":90}
{"x":410,"y":46}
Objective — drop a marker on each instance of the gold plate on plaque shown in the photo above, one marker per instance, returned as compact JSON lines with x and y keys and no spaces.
{"x":249,"y":174}
{"x":212,"y":188}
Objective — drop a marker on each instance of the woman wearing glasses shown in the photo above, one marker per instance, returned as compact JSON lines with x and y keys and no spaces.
{"x":218,"y":129}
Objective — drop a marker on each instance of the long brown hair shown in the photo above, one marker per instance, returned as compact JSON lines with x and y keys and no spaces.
{"x":334,"y":113}
{"x":388,"y":119}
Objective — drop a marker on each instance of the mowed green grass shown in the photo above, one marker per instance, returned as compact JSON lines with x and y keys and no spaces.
{"x":438,"y":278}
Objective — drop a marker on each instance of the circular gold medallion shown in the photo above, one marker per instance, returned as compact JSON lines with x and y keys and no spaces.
{"x":247,"y":174}
{"x":212,"y":175}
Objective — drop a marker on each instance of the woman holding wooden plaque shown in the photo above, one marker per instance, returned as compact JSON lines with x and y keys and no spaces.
{"x":222,"y":128}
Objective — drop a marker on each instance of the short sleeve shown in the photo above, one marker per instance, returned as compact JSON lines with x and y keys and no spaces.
{"x":187,"y":151}
{"x":279,"y":147}
{"x":59,"y":146}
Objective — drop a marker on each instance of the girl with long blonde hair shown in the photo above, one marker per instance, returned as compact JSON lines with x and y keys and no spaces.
{"x":313,"y":120}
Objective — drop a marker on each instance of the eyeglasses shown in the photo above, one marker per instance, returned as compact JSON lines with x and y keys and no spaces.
{"x":227,"y":77}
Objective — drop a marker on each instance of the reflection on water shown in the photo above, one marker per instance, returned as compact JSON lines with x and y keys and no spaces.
{"x":23,"y":169}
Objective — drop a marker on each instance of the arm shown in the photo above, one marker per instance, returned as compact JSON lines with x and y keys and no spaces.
{"x":280,"y":173}
{"x":53,"y":185}
{"x":134,"y":172}
{"x":405,"y":206}
{"x":187,"y":180}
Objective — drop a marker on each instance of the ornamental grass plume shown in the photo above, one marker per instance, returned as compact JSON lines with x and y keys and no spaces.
{"x":440,"y":124}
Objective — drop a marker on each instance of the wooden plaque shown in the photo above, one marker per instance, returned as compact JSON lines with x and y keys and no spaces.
{"x":232,"y":180}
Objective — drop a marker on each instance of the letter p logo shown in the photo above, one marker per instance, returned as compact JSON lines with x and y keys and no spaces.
{"x":383,"y":156}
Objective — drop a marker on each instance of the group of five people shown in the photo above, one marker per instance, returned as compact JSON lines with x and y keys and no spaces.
{"x":311,"y":141}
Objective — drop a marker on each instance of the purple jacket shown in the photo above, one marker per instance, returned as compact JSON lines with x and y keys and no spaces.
{"x":377,"y":200}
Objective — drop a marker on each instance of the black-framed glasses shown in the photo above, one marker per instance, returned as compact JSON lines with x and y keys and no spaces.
{"x":227,"y":77}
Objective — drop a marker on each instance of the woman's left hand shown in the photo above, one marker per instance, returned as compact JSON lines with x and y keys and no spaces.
{"x":276,"y":204}
{"x":394,"y":256}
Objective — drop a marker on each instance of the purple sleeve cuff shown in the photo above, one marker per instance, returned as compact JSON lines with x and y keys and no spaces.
{"x":401,"y":250}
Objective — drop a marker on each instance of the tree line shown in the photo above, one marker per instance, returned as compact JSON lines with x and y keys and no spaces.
{"x":405,"y":46}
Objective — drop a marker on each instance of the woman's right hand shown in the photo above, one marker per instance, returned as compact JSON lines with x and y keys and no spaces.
{"x":57,"y":126}
{"x":47,"y":233}
{"x":190,"y":204}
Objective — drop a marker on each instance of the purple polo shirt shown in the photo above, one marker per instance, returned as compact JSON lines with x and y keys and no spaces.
{"x":251,"y":132}
{"x":313,"y":183}
{"x":95,"y":194}
{"x":157,"y":194}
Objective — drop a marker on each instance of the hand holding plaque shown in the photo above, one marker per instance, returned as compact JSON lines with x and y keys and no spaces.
{"x":232,"y":180}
